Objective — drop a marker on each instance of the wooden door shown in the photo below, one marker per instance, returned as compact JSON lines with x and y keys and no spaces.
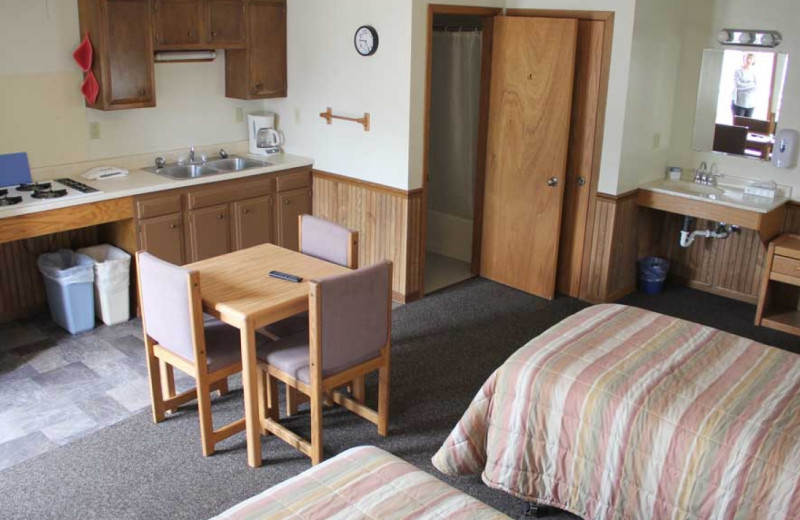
{"x":163,"y":237}
{"x":253,"y":222}
{"x":582,"y":158}
{"x":291,"y":204}
{"x":267,"y":49}
{"x":208,"y":232}
{"x":178,"y":22}
{"x":128,"y":80}
{"x":226,"y":23}
{"x":529,"y":113}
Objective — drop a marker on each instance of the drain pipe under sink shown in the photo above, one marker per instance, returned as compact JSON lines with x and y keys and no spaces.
{"x":687,"y":237}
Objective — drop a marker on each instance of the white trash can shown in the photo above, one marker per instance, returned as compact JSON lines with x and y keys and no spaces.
{"x":112,"y":268}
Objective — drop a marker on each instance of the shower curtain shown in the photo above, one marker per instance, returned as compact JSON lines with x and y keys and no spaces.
{"x":455,"y":93}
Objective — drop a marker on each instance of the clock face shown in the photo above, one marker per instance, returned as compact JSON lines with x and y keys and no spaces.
{"x":366,"y":40}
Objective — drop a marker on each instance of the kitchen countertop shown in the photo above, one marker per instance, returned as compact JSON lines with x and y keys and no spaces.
{"x":139,"y":182}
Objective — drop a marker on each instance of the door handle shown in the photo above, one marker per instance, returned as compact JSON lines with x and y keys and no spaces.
{"x":552,"y":182}
{"x":581,"y":181}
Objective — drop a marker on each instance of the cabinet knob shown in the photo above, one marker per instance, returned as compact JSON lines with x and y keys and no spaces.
{"x":173,"y":226}
{"x":245,"y":211}
{"x":142,"y":92}
{"x":258,"y":87}
{"x":213,"y":34}
{"x":220,"y":217}
{"x":190,"y":33}
{"x":286,"y":202}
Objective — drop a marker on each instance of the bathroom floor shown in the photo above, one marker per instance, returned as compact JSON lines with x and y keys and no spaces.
{"x":55,"y":387}
{"x":442,"y":271}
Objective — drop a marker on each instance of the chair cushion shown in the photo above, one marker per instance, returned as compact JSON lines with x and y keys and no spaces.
{"x":289,"y":326}
{"x":290,"y":355}
{"x":223,"y":345}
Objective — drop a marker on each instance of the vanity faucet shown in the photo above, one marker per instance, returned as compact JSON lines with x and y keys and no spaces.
{"x":700,"y":176}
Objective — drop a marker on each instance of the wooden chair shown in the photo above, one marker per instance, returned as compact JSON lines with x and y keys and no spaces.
{"x":175,"y":335}
{"x":758,"y":126}
{"x":349,"y":337}
{"x":330,"y":242}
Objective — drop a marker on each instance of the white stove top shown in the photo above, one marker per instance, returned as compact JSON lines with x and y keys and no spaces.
{"x":43,"y":192}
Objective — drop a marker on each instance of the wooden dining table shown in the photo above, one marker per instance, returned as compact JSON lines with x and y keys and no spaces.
{"x":236,"y":288}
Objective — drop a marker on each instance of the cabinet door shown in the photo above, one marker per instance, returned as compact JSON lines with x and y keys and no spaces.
{"x":208,"y":232}
{"x":226,"y":23}
{"x":291,"y":204}
{"x":163,"y":237}
{"x":128,"y":81}
{"x":178,"y":22}
{"x":253,"y":222}
{"x":267,"y":49}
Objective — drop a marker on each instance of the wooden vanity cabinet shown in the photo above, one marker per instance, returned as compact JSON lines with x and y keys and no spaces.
{"x":208,"y":232}
{"x":291,"y":204}
{"x":120,"y":32}
{"x":253,"y":222}
{"x":199,"y":24}
{"x":159,"y":223}
{"x":779,"y":297}
{"x":259,"y":71}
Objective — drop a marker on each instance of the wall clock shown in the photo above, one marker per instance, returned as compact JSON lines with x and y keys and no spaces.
{"x":366,"y":40}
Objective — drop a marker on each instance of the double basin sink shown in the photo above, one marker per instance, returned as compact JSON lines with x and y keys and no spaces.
{"x":215,"y":166}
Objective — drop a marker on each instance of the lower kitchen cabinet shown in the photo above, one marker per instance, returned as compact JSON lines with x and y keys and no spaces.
{"x":163,"y":237}
{"x":208,"y":232}
{"x":253,"y":222}
{"x":291,"y":204}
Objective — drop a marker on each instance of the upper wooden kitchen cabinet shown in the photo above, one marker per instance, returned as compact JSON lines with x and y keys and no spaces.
{"x":120,"y":31}
{"x":259,"y":71}
{"x":199,"y":24}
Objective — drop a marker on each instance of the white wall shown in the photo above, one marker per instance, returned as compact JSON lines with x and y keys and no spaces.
{"x":325,"y":71}
{"x":42,"y":111}
{"x":652,"y":84}
{"x":780,"y":15}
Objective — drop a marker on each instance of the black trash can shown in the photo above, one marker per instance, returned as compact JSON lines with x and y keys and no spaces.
{"x":652,"y":274}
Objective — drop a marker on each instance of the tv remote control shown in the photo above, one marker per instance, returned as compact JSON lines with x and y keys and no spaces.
{"x":285,"y":276}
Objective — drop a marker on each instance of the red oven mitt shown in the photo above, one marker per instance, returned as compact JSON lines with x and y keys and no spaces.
{"x":83,"y":54}
{"x":90,"y":88}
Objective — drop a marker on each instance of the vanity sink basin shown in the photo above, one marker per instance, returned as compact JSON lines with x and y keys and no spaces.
{"x":693,"y":188}
{"x":213,"y":167}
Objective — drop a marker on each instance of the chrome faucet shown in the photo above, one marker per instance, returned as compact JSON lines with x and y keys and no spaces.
{"x":191,"y":154}
{"x":700,"y":174}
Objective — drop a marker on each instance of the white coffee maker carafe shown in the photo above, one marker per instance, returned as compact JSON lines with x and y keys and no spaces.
{"x":263,"y":138}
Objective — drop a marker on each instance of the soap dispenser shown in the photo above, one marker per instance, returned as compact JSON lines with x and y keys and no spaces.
{"x":784,"y":152}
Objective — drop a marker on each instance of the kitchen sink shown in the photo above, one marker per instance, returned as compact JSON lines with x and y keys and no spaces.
{"x":210,"y":167}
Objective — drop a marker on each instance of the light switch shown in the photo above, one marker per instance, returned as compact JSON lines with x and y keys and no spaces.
{"x":94,"y":130}
{"x":656,"y":140}
{"x":297,"y":115}
{"x":239,"y":115}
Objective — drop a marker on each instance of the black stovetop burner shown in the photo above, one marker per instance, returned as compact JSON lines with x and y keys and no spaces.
{"x":5,"y":200}
{"x":35,"y":186}
{"x":48,"y":194}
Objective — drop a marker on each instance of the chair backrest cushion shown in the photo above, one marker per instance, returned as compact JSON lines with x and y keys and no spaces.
{"x":325,"y":240}
{"x":165,"y":304}
{"x":354,"y":310}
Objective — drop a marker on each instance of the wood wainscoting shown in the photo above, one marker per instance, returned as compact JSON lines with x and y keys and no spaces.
{"x":388,"y":221}
{"x":610,"y":266}
{"x":21,"y":285}
{"x":731,"y":267}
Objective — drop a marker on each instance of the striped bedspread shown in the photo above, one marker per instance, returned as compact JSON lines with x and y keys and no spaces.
{"x":362,"y":483}
{"x":618,"y":412}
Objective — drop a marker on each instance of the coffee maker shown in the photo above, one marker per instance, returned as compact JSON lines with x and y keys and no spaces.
{"x":264,"y":139}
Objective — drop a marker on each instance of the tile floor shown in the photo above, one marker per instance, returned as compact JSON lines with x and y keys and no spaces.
{"x":55,"y":387}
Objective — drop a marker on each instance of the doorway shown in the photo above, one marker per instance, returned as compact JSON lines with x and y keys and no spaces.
{"x":459,"y":41}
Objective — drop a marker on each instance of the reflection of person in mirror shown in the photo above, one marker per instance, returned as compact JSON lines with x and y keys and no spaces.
{"x":744,"y":87}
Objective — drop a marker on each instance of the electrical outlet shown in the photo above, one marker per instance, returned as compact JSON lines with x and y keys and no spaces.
{"x":239,"y":115}
{"x":94,"y":131}
{"x":656,"y":140}
{"x":297,"y":115}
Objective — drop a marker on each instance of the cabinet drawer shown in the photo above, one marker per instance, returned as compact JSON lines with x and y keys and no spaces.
{"x":155,"y":206}
{"x":229,"y":192}
{"x":294,"y":180}
{"x":786,"y":266}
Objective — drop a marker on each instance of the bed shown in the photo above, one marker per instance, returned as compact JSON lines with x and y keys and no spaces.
{"x":618,"y":412}
{"x":362,"y":483}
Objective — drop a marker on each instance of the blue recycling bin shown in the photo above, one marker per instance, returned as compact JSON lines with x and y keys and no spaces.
{"x":652,"y":274}
{"x":69,"y":284}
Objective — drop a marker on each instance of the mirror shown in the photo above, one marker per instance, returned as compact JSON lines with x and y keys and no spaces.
{"x":739,"y":102}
